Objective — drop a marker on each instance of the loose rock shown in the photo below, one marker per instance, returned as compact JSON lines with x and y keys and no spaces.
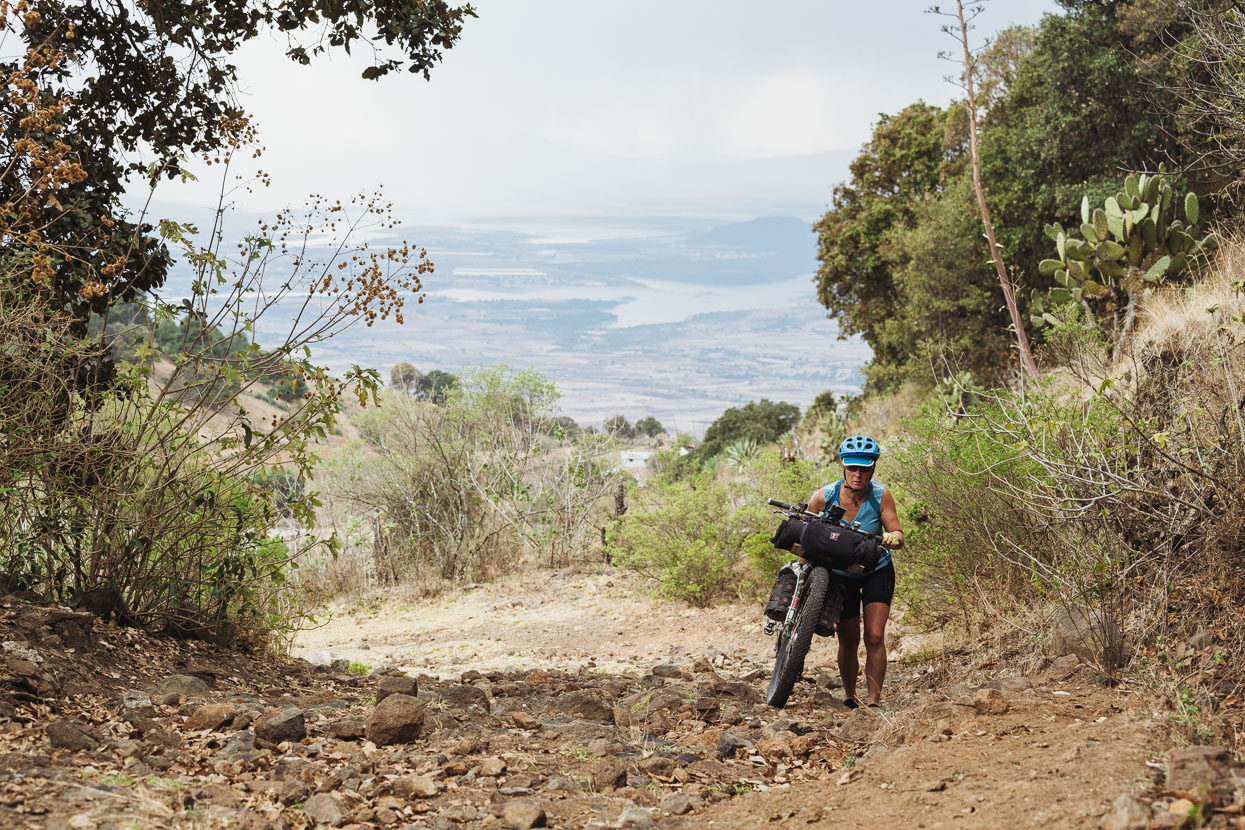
{"x":210,"y":716}
{"x":182,"y":685}
{"x":680,"y":803}
{"x":523,"y":814}
{"x":989,"y":701}
{"x":396,"y":685}
{"x":325,"y":808}
{"x":415,"y":786}
{"x":608,"y":774}
{"x":635,"y":818}
{"x":73,"y":735}
{"x":396,"y":719}
{"x":1127,"y":813}
{"x":1093,"y":635}
{"x":284,"y":724}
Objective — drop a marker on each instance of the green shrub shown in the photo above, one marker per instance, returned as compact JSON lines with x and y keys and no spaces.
{"x":359,"y":669}
{"x":701,"y":539}
{"x":675,"y":534}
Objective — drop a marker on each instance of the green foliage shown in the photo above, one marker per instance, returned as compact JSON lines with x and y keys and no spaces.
{"x":564,"y":427}
{"x":1130,"y":244}
{"x":682,"y":539}
{"x":359,"y":669}
{"x":822,"y":405}
{"x":1074,"y":115}
{"x":740,"y":452}
{"x":1064,"y":107}
{"x":136,"y":107}
{"x":619,"y":427}
{"x":948,"y":292}
{"x":436,"y":386}
{"x":702,"y":540}
{"x":906,"y":159}
{"x":649,"y":426}
{"x":405,"y":377}
{"x":760,"y":421}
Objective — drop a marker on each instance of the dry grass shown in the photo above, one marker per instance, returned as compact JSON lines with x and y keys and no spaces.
{"x":881,"y":416}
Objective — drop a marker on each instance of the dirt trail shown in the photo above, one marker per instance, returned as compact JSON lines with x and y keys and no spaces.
{"x":569,"y":701}
{"x":1061,"y":753}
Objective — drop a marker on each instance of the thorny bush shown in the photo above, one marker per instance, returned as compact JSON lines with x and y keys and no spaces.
{"x":469,"y":488}
{"x":1117,"y":484}
{"x":156,"y":482}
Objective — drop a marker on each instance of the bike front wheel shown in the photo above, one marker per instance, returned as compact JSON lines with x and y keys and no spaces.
{"x":793,"y":647}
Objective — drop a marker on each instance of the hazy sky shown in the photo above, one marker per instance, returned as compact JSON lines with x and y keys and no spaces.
{"x":571,"y":107}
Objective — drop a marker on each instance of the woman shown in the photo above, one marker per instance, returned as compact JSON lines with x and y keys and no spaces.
{"x":870,"y":507}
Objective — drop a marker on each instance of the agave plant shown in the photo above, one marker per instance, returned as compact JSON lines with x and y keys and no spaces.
{"x":741,"y":452}
{"x":1122,"y":249}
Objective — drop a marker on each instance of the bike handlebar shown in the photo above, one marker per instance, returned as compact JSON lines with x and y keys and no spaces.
{"x":796,"y":511}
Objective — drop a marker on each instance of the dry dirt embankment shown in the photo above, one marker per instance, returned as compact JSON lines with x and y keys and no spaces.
{"x":569,"y":702}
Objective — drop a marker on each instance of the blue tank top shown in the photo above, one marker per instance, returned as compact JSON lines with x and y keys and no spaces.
{"x":868,"y":518}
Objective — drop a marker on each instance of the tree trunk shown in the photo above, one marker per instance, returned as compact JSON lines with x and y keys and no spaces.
{"x":1009,"y":295}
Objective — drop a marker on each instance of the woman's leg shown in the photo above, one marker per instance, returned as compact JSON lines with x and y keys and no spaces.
{"x":848,"y":632}
{"x":876,"y":615}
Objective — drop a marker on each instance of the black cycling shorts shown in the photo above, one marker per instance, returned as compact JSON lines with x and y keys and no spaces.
{"x":878,"y":586}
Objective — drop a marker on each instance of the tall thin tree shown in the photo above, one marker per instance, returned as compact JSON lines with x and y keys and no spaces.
{"x":959,"y":30}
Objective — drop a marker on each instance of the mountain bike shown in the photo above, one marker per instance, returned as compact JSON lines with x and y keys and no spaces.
{"x":824,"y":543}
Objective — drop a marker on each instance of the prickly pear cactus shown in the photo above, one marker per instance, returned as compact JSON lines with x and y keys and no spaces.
{"x":1127,"y":246}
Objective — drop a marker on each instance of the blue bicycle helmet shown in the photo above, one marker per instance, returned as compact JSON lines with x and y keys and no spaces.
{"x":859,"y":451}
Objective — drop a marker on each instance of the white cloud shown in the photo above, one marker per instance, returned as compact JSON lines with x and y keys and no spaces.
{"x":568,"y":106}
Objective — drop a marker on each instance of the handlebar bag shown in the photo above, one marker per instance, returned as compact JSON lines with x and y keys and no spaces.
{"x":840,"y":548}
{"x":787,"y":535}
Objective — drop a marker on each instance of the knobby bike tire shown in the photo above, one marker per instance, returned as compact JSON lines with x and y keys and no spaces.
{"x":793,"y":648}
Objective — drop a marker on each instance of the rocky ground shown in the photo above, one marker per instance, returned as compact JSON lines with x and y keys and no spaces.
{"x":111,"y":728}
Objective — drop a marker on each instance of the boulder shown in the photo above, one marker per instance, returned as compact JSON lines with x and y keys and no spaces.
{"x":396,"y":685}
{"x":241,"y":743}
{"x":463,"y":696}
{"x":585,"y":704}
{"x":1092,"y":634}
{"x":182,"y":685}
{"x":396,"y":719}
{"x":284,"y":724}
{"x":347,"y":729}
